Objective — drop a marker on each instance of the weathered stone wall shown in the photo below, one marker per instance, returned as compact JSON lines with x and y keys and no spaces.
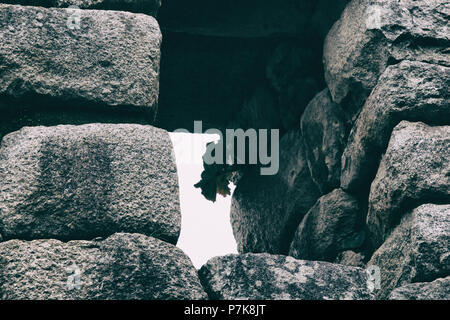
{"x":376,"y":142}
{"x":86,"y":211}
{"x":89,"y":203}
{"x":105,"y":71}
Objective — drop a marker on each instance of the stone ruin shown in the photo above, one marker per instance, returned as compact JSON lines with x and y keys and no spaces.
{"x":89,"y":200}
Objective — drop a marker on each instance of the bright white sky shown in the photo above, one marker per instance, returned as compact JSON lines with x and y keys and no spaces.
{"x":205,"y":226}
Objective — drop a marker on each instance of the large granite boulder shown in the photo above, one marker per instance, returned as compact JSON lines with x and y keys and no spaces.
{"x":372,"y":34}
{"x":324,"y":130}
{"x":149,"y":7}
{"x":80,"y":182}
{"x":106,"y":68}
{"x":333,"y":225}
{"x":266,"y":210}
{"x":122,"y":267}
{"x":417,"y":250}
{"x":436,"y":290}
{"x":415,"y":169}
{"x":274,"y":277}
{"x":413,"y":91}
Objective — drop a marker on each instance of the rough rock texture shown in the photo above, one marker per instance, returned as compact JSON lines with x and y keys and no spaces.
{"x":123,"y":71}
{"x":371,"y":34}
{"x":265,"y":210}
{"x":251,"y":18}
{"x":111,"y":62}
{"x":149,"y":7}
{"x":417,"y":249}
{"x":124,"y":266}
{"x":436,"y":290}
{"x":332,"y":225}
{"x":414,"y":170}
{"x":351,"y":258}
{"x":80,"y":182}
{"x":324,"y":130}
{"x":411,"y":91}
{"x":274,"y":277}
{"x":356,"y":165}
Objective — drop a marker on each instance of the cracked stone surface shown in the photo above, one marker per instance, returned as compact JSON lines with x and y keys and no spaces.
{"x":417,"y":250}
{"x":273,"y":277}
{"x":371,"y":34}
{"x":333,"y":225}
{"x":324,"y":129}
{"x":438,"y":289}
{"x":123,"y":266}
{"x":414,"y":170}
{"x":410,"y":90}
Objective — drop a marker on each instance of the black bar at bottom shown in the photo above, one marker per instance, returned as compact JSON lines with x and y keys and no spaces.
{"x":225,"y":309}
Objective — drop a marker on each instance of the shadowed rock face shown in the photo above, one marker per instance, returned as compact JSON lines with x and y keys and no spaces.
{"x":295,"y":73}
{"x":273,"y":277}
{"x":216,"y":54}
{"x":208,"y":78}
{"x":415,"y":169}
{"x":334,"y":224}
{"x":213,"y":78}
{"x":417,"y":250}
{"x":435,"y":290}
{"x":79,"y":182}
{"x":266,"y":210}
{"x":123,"y":266}
{"x":110,"y":64}
{"x":324,"y":129}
